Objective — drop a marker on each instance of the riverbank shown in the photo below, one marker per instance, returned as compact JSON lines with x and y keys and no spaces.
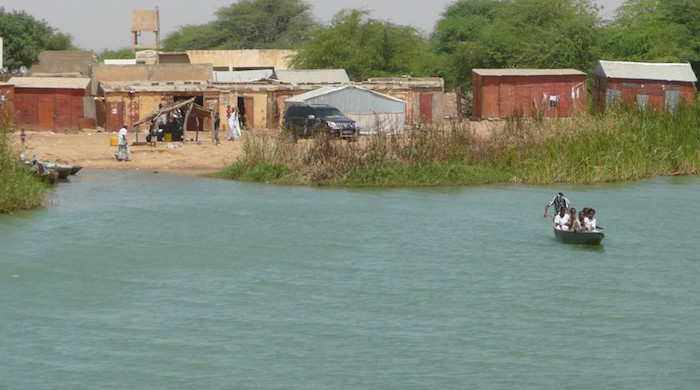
{"x":92,"y":149}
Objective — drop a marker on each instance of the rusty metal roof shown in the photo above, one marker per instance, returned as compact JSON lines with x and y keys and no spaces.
{"x":646,"y":71}
{"x":50,"y":82}
{"x":528,"y":72}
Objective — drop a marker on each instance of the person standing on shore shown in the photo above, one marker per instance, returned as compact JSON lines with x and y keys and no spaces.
{"x":217,"y":125}
{"x":123,"y":144}
{"x":234,"y":127}
{"x":21,"y":136}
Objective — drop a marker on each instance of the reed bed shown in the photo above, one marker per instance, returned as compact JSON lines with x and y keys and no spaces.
{"x":624,"y":144}
{"x":19,"y":189}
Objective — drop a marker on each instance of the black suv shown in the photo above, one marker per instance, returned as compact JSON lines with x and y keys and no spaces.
{"x":305,"y":120}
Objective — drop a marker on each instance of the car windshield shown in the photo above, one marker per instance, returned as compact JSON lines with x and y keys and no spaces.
{"x":329,"y":112}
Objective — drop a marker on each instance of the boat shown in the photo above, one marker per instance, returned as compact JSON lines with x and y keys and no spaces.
{"x":45,"y":174}
{"x":63,"y":171}
{"x":579,"y":238}
{"x":74,"y":169}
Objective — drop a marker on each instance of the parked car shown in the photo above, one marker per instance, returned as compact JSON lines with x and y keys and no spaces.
{"x":307,"y":119}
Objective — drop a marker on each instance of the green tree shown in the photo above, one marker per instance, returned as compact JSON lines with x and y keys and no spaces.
{"x":554,"y":33}
{"x":467,"y":36}
{"x":119,"y":54}
{"x":515,"y":33}
{"x":655,"y":31}
{"x":364,"y":47}
{"x":248,"y":24}
{"x":25,"y":38}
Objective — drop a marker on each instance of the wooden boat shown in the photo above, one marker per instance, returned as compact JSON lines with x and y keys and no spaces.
{"x":579,"y":238}
{"x":63,"y":171}
{"x":45,"y":174}
{"x":74,"y":169}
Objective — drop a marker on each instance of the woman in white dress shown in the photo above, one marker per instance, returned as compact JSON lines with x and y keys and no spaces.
{"x":233,"y":132}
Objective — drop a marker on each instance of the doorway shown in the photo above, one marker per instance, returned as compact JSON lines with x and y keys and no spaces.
{"x":246,"y":108}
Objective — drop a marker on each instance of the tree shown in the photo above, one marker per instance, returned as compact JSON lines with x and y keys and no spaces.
{"x":249,"y":24}
{"x":515,"y":33}
{"x":655,"y":31}
{"x":364,"y":47}
{"x":466,"y":37}
{"x":25,"y":38}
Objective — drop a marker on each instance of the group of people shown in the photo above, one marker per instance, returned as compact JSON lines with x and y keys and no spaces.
{"x":567,"y":219}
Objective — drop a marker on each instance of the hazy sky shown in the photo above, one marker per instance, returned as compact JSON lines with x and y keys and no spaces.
{"x":106,"y":24}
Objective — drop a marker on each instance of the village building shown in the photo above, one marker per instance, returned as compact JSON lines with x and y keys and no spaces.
{"x":424,"y":97}
{"x":52,"y":103}
{"x":127,"y":102}
{"x":125,"y":91}
{"x":7,"y":96}
{"x":249,"y":59}
{"x":372,"y":111}
{"x":646,"y":85}
{"x":64,"y":63}
{"x":261,"y":101}
{"x":503,"y":93}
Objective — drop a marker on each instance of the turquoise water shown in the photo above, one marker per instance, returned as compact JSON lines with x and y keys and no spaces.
{"x":136,"y":280}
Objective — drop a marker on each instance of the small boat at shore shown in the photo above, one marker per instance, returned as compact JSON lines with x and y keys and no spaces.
{"x":579,"y":238}
{"x":63,"y":170}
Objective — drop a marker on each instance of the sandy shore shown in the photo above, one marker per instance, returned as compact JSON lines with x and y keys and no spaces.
{"x":91,"y":149}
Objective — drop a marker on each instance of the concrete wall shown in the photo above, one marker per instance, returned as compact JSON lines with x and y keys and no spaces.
{"x":163,"y":72}
{"x":268,"y":58}
{"x":69,"y":61}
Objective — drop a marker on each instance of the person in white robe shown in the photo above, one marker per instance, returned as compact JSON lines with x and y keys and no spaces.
{"x":233,"y":132}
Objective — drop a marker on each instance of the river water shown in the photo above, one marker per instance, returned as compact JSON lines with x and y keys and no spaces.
{"x":138,"y":280}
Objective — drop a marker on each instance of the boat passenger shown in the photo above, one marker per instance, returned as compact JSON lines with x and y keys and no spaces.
{"x":579,"y":225}
{"x":558,"y":202}
{"x":585,"y":223}
{"x":561,"y":220}
{"x":572,"y":219}
{"x":591,"y":220}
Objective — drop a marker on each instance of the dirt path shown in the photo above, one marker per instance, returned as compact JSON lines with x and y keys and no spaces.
{"x":92,"y":149}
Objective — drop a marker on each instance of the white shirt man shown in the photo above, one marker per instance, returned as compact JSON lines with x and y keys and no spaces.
{"x":561,"y":221}
{"x":123,"y":144}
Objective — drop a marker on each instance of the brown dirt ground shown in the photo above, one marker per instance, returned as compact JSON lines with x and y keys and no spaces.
{"x":91,"y":149}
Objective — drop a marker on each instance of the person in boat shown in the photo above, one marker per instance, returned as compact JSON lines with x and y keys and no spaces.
{"x":570,"y":226}
{"x":561,"y":220}
{"x":578,"y":224}
{"x":558,"y":202}
{"x":591,"y":225}
{"x":584,"y":221}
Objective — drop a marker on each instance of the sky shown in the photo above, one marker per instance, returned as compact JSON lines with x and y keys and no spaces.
{"x":106,"y":24}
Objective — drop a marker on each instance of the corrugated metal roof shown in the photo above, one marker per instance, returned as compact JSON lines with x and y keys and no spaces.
{"x":646,"y":71}
{"x":528,"y":72}
{"x":332,"y":89}
{"x":242,"y":76}
{"x":50,"y":82}
{"x":312,"y":76}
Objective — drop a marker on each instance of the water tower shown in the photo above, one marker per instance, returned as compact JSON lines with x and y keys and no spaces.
{"x":145,"y":20}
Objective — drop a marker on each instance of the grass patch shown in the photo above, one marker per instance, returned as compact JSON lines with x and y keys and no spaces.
{"x":624,"y":144}
{"x":19,"y":188}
